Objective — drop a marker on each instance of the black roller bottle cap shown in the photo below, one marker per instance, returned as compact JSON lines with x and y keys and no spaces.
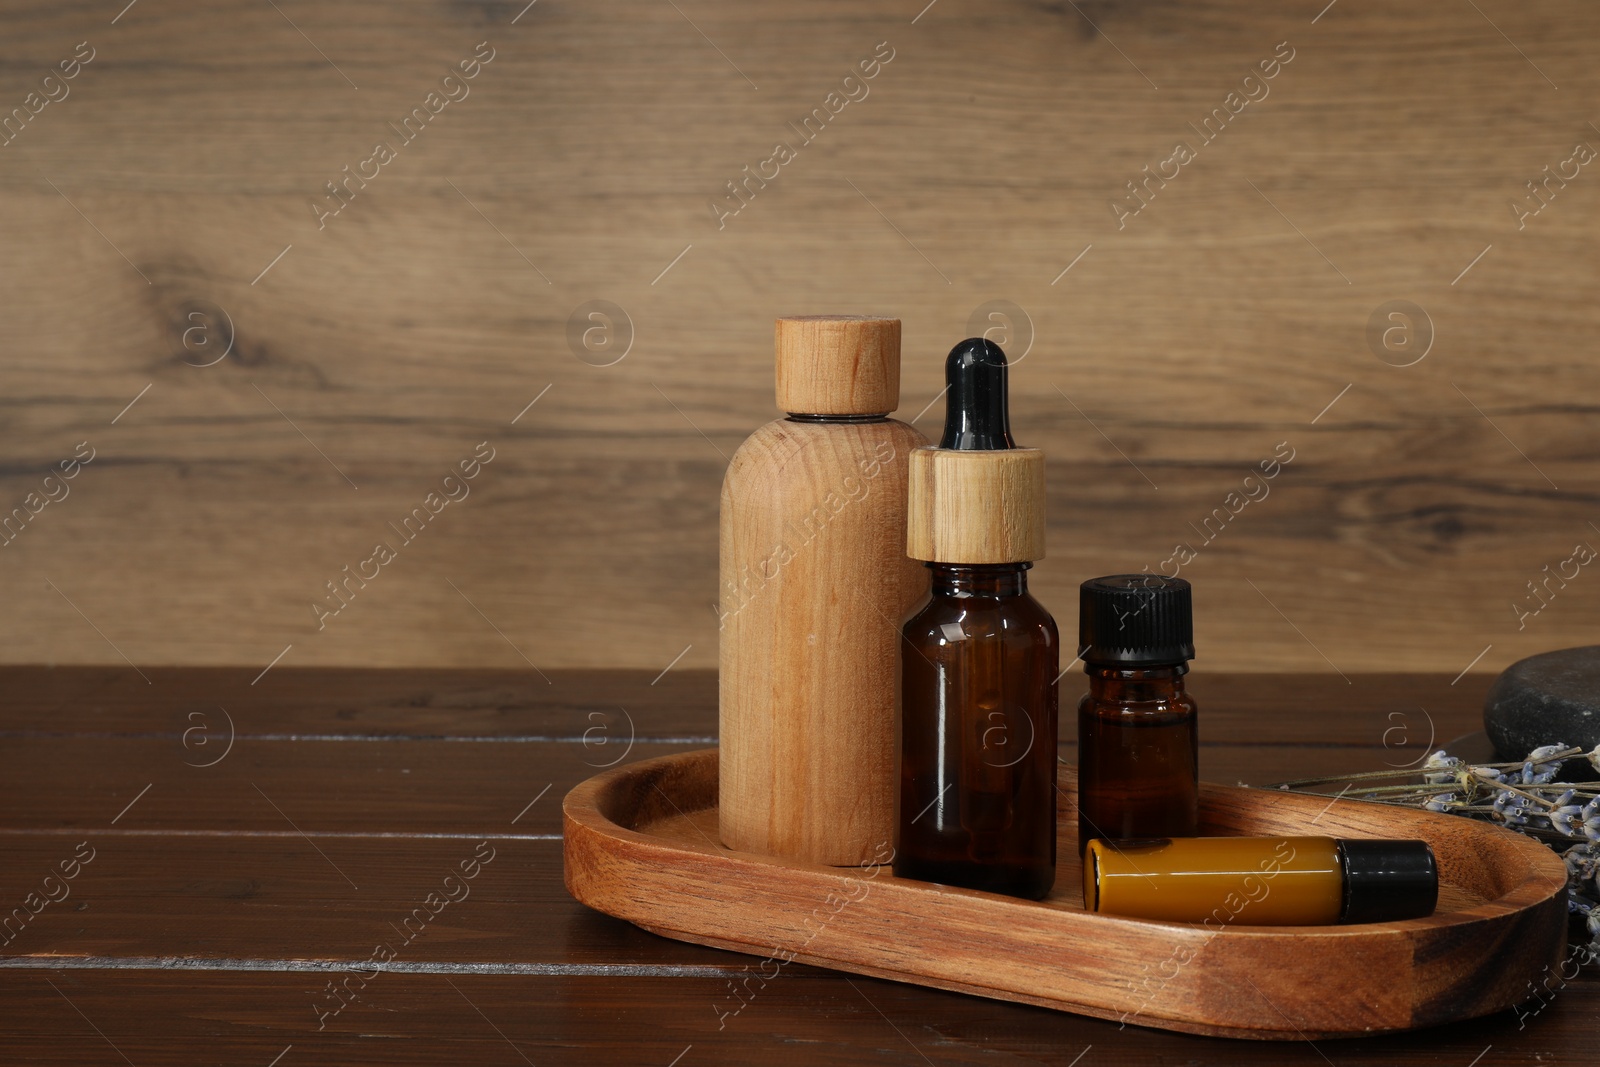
{"x":1135,"y":620}
{"x":1386,"y":881}
{"x":976,"y":416}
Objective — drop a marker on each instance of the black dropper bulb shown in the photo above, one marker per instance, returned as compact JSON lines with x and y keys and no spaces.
{"x":975,"y":410}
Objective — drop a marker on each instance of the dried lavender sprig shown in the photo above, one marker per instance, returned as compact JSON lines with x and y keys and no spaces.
{"x":1564,"y":753}
{"x":1526,"y":800}
{"x":1421,"y":790}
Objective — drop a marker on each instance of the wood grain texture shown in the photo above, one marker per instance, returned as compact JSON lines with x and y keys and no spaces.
{"x":1225,"y":317}
{"x":837,"y":364}
{"x":815,"y":579}
{"x":976,"y":506}
{"x":424,"y":786}
{"x":191,"y":938}
{"x":1370,"y":713}
{"x":159,"y":1018}
{"x":636,"y":847}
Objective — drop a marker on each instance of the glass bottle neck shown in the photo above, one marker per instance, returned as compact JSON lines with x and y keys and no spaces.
{"x":1131,"y":684}
{"x":979,"y":579}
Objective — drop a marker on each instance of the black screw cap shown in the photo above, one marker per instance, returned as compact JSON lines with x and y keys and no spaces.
{"x":1135,"y":620}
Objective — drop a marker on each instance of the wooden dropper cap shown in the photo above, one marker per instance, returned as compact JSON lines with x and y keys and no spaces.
{"x":977,"y":498}
{"x":838,"y":365}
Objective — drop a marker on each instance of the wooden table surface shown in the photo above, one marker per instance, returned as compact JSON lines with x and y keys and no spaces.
{"x":235,"y":848}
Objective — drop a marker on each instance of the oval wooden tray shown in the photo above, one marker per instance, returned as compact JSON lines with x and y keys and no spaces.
{"x":641,"y":844}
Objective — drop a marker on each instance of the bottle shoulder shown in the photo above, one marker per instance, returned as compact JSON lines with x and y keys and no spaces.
{"x":866,"y":450}
{"x":1017,"y":617}
{"x":1041,"y":616}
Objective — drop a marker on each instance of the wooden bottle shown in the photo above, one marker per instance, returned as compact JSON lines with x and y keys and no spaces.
{"x":814,"y":582}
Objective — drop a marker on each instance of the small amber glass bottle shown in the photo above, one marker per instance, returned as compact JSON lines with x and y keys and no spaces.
{"x":979,"y":658}
{"x":1138,"y":749}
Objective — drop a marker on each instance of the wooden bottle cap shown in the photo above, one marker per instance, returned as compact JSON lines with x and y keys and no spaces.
{"x":838,"y":365}
{"x":975,"y":506}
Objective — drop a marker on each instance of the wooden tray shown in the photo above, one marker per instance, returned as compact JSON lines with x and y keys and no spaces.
{"x":641,"y":844}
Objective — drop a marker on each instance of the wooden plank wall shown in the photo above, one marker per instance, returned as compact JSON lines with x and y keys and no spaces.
{"x":162,"y":206}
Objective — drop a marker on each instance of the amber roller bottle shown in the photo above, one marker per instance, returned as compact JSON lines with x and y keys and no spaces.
{"x":1138,"y":749}
{"x":1261,"y":881}
{"x":979,"y":658}
{"x":814,"y":581}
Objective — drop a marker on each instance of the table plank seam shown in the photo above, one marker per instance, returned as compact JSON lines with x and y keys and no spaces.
{"x":191,"y":963}
{"x":100,"y":832}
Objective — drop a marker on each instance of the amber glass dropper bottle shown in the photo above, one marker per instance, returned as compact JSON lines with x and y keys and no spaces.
{"x":1138,"y":750}
{"x":979,"y":658}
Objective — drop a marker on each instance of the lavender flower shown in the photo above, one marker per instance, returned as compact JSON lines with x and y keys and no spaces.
{"x":1511,"y":808}
{"x":1582,"y":867}
{"x":1548,"y":759}
{"x":1567,"y":817}
{"x":1442,"y":770}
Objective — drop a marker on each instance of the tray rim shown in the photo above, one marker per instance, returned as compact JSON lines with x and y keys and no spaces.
{"x":589,"y":833}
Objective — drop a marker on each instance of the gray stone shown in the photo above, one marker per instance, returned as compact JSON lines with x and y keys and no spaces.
{"x":1550,"y":698}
